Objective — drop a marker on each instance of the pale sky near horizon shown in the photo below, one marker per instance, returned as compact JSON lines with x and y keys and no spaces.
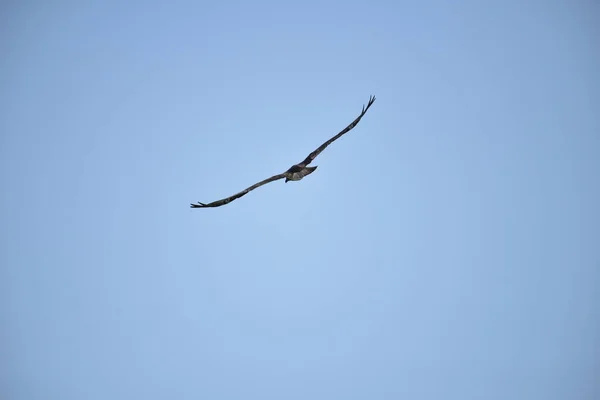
{"x":446,"y":248}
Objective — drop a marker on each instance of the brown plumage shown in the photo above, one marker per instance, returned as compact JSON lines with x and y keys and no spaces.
{"x":296,"y":172}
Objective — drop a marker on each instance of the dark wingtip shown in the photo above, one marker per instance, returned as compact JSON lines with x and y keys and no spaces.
{"x":371,"y":100}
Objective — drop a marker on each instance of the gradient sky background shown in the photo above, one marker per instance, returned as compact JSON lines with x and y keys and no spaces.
{"x":447,"y":248}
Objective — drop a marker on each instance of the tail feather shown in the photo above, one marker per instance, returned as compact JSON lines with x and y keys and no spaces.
{"x":309,"y":170}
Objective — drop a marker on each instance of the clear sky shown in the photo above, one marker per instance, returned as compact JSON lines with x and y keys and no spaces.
{"x":447,"y":248}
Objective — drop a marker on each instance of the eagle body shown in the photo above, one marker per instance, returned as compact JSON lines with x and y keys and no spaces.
{"x":296,"y":172}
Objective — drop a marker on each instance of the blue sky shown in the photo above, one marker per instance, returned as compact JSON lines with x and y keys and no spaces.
{"x":446,"y":248}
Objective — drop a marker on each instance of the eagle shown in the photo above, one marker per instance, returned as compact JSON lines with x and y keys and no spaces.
{"x":296,"y":172}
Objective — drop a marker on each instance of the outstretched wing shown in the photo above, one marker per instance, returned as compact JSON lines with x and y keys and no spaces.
{"x":318,"y":151}
{"x":229,"y":199}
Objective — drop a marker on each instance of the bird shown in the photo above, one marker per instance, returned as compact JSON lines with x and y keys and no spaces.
{"x":296,"y":172}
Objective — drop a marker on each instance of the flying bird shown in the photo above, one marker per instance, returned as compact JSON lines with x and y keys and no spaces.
{"x":296,"y":172}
